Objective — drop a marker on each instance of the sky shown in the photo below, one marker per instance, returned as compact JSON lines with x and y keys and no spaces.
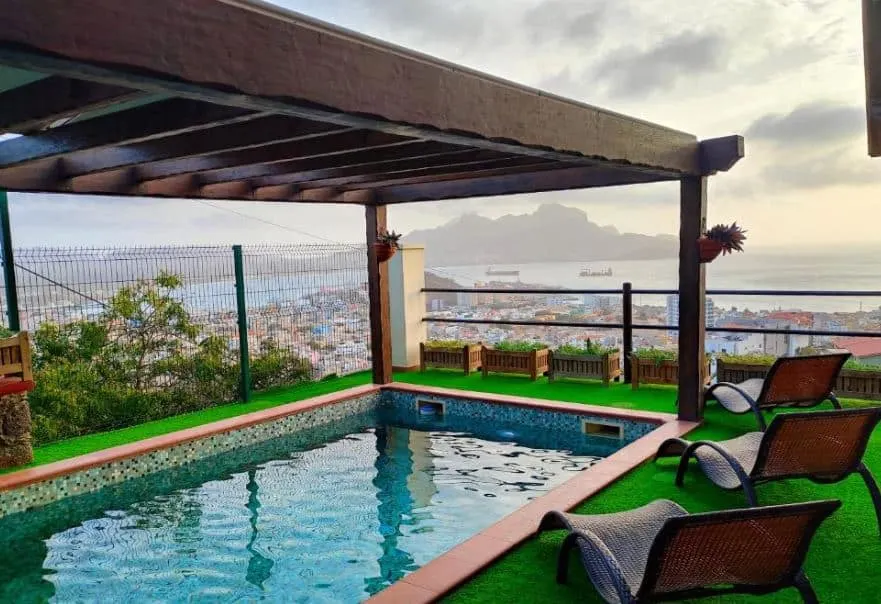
{"x":787,"y":74}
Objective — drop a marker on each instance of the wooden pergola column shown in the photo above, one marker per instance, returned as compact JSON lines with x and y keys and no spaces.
{"x":377,"y":289}
{"x":692,"y":293}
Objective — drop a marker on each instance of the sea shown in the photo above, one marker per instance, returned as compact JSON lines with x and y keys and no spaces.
{"x":852,"y":268}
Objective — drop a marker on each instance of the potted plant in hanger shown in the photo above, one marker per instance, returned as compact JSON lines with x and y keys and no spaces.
{"x":386,"y":245}
{"x":721,"y":239}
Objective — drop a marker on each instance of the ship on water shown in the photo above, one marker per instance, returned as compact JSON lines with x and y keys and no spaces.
{"x":588,"y":272}
{"x":496,"y":272}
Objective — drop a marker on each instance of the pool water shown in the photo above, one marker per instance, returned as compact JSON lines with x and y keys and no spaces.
{"x":330,"y":514}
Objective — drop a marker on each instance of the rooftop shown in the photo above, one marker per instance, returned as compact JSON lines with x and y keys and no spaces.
{"x":527,"y":573}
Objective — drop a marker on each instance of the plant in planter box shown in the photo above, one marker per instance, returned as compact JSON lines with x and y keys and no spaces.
{"x":450,"y":354}
{"x":721,"y":239}
{"x":387,"y":242}
{"x":655,"y":366}
{"x":589,"y":360}
{"x":529,"y":358}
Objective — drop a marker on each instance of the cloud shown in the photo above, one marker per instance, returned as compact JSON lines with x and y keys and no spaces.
{"x":826,"y":170}
{"x":632,"y":71}
{"x":813,"y":123}
{"x":566,"y":21}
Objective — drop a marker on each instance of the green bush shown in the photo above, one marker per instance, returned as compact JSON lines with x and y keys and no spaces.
{"x":142,"y":359}
{"x":275,"y":367}
{"x":519,"y":346}
{"x":748,"y":359}
{"x":589,"y":348}
{"x":445,"y":344}
{"x":654,"y":354}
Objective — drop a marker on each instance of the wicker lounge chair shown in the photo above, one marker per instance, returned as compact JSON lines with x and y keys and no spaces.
{"x":823,"y":446}
{"x":660,"y":552}
{"x":791,"y":382}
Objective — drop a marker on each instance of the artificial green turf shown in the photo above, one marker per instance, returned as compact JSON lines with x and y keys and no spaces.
{"x":844,"y":563}
{"x":81,"y":445}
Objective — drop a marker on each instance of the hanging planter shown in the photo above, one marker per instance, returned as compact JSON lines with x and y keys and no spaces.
{"x":386,"y":245}
{"x":721,"y":239}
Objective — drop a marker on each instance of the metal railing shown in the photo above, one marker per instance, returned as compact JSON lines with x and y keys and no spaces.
{"x":627,"y":326}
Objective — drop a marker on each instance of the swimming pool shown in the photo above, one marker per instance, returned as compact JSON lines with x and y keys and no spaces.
{"x":318,"y":511}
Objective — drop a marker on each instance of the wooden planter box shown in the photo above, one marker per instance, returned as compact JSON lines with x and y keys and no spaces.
{"x":533,"y":363}
{"x":466,"y":358}
{"x":649,"y":371}
{"x":865,"y":385}
{"x":604,"y":367}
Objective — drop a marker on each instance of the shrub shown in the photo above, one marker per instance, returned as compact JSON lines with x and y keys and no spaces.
{"x":519,"y":346}
{"x":654,"y":354}
{"x":445,"y":344}
{"x":275,"y":367}
{"x":589,"y":348}
{"x":748,"y":359}
{"x":140,"y":360}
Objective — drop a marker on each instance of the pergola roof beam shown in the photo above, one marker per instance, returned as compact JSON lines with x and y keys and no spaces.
{"x":328,"y":167}
{"x":155,"y":120}
{"x":268,"y":59}
{"x":36,"y":105}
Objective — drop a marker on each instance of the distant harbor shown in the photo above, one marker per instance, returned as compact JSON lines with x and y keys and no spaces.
{"x":587,"y":272}
{"x":495,"y":272}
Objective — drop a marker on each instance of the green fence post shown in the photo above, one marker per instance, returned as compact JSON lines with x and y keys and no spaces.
{"x":242,"y":309}
{"x":8,"y":265}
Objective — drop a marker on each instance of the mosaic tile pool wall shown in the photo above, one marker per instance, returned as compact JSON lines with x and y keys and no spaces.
{"x":566,"y":428}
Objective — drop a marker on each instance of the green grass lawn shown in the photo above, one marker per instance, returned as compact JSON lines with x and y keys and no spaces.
{"x":843,"y":563}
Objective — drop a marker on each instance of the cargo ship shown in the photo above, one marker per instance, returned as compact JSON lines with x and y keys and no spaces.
{"x":495,"y":272}
{"x":587,"y":272}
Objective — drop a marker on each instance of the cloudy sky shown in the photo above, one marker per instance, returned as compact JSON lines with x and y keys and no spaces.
{"x":787,"y":74}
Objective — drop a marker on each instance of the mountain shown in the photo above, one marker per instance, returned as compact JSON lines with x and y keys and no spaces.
{"x":559,"y":234}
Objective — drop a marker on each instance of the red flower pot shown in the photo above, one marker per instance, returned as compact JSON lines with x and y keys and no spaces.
{"x":708,"y":249}
{"x":384,"y":251}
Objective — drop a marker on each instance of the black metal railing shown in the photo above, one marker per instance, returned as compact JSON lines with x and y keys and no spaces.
{"x":627,"y":326}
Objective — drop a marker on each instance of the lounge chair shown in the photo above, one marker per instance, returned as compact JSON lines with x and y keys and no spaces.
{"x":822,"y":446}
{"x":660,"y":552}
{"x":791,"y":382}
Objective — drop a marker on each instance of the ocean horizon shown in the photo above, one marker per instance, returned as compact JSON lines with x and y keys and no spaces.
{"x":851,"y":268}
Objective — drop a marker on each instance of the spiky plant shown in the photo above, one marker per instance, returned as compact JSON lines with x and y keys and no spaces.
{"x":730,"y":237}
{"x":389,"y":237}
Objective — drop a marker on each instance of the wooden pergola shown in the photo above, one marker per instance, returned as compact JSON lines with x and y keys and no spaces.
{"x":226,"y":99}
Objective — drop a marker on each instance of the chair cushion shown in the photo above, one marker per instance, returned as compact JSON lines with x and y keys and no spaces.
{"x":744,"y":449}
{"x":733,"y":400}
{"x":628,"y":536}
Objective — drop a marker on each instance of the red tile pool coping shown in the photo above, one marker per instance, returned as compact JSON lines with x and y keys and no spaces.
{"x":453,"y":568}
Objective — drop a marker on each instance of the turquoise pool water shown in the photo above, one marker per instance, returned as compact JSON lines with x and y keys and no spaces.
{"x":331,"y":514}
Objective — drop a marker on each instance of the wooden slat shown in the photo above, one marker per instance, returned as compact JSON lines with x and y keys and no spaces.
{"x":519,"y":165}
{"x":156,"y":120}
{"x":872,"y":62}
{"x":692,"y":294}
{"x":269,"y":58}
{"x":418,"y":174}
{"x":328,"y":167}
{"x":551,"y":180}
{"x":449,"y":158}
{"x":378,"y":293}
{"x":233,"y":137}
{"x":35,"y":105}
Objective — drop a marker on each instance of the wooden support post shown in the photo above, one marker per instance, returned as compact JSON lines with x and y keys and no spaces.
{"x":692,"y":291}
{"x":627,"y":336}
{"x":377,"y":288}
{"x":8,"y":265}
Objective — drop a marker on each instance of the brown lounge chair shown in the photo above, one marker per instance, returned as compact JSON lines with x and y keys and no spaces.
{"x":660,"y":552}
{"x":791,"y":382}
{"x":822,"y":446}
